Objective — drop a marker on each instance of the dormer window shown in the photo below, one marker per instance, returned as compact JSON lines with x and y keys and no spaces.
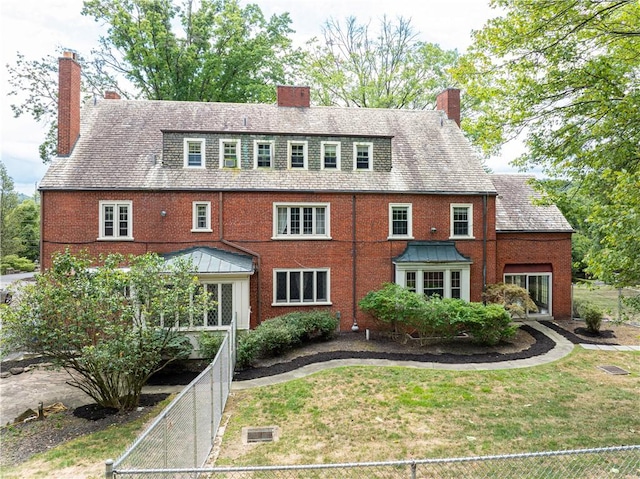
{"x":363,"y":156}
{"x":330,"y":151}
{"x":229,"y":153}
{"x":263,"y":154}
{"x":194,"y":153}
{"x":297,"y":155}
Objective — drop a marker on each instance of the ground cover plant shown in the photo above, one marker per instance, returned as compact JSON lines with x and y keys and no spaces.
{"x":373,"y":414}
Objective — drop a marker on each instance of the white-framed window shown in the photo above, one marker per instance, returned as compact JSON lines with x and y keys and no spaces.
{"x":229,"y":153}
{"x":330,"y":155}
{"x":400,"y":221}
{"x":539,"y":287}
{"x":116,"y":220}
{"x":201,"y":216}
{"x":194,"y":153}
{"x":263,"y":153}
{"x":297,"y":287}
{"x":297,"y":155}
{"x":447,"y":280}
{"x":461,"y":220}
{"x":363,"y":156}
{"x":301,"y":221}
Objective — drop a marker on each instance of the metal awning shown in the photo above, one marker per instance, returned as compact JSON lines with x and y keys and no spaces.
{"x":213,"y":260}
{"x":431,"y":252}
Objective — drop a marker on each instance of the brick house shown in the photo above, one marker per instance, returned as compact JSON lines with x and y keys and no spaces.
{"x":288,"y":206}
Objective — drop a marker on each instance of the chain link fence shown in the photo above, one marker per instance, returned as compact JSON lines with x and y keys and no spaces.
{"x":182,"y":436}
{"x":602,"y":463}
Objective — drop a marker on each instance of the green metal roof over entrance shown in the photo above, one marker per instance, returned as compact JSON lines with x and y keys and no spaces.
{"x":213,"y":260}
{"x":431,"y":252}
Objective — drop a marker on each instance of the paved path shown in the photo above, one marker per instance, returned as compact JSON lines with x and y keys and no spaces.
{"x":562,"y":348}
{"x":610,"y":347}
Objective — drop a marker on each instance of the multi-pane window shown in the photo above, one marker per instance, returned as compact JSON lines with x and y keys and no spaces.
{"x":201,"y":216}
{"x":410,"y":281}
{"x":305,"y":221}
{"x":263,"y":154}
{"x":539,"y":287}
{"x":456,"y":284}
{"x":298,"y":154}
{"x":115,"y":220}
{"x":330,"y":155}
{"x":461,"y":221}
{"x":194,"y":156}
{"x":310,"y":286}
{"x":229,"y":153}
{"x":362,"y":156}
{"x":400,"y":220}
{"x":433,"y":283}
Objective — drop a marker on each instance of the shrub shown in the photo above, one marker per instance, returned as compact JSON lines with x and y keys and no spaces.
{"x":279,"y":334}
{"x":490,"y":324}
{"x":210,"y":343}
{"x":393,"y":305}
{"x":13,"y":261}
{"x":514,"y":298}
{"x":592,"y":315}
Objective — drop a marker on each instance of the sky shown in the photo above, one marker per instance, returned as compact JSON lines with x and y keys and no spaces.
{"x":36,"y":28}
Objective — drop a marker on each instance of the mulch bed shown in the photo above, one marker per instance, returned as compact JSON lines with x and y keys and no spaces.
{"x":542,"y":345}
{"x":575,"y":339}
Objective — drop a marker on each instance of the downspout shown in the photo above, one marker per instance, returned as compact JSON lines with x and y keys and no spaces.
{"x":244,"y":250}
{"x":41,"y":231}
{"x":484,"y":244}
{"x":353,"y":263}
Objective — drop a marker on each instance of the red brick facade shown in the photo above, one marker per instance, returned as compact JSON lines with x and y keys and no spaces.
{"x":72,"y":219}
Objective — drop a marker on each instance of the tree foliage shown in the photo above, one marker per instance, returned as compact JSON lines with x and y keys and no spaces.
{"x":566,"y":75}
{"x":8,"y":202}
{"x":389,"y":68}
{"x":110,"y":327}
{"x":157,"y":50}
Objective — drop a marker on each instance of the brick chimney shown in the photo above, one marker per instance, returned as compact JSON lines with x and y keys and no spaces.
{"x":449,"y":102}
{"x":298,"y":96}
{"x":68,"y":102}
{"x":111,"y":95}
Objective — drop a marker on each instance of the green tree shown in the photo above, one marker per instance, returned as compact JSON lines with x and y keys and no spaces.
{"x":24,"y":225}
{"x":565,"y":75}
{"x":8,"y":202}
{"x":219,"y":51}
{"x":390,"y":68}
{"x":109,"y":327}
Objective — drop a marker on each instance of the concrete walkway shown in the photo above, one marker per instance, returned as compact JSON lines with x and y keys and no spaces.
{"x":562,"y":348}
{"x":609,"y":347}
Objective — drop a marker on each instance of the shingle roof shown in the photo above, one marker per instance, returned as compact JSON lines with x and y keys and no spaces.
{"x":516,"y":211}
{"x":121,"y":139}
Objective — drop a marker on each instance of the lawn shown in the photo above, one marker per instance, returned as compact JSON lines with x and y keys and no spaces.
{"x":375,"y":414}
{"x":606,"y":297}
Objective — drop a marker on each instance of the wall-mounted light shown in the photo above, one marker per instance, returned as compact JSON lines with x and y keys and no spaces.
{"x":163,"y":213}
{"x":433,"y":229}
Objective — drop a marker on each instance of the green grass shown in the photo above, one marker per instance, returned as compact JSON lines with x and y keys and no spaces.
{"x":373,"y":414}
{"x":86,"y":454}
{"x":606,"y":297}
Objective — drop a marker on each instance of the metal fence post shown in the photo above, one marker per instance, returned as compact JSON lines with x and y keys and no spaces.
{"x":108,"y":469}
{"x":414,"y":468}
{"x":213,"y":404}
{"x":195,"y":426}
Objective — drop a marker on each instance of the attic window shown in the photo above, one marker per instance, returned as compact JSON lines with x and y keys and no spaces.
{"x":194,"y":156}
{"x":229,"y":153}
{"x":363,"y":156}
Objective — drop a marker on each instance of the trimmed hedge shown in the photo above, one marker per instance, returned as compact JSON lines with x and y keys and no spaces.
{"x":438,"y":317}
{"x":277,"y":335}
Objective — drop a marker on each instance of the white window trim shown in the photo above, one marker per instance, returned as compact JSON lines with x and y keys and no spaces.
{"x":355,"y":155}
{"x":327,"y":222}
{"x":469,"y":206}
{"x":338,"y":145}
{"x":194,"y":214}
{"x":447,"y":268}
{"x":550,"y":275}
{"x":202,"y":152}
{"x":116,"y":229}
{"x":305,"y":153}
{"x":301,"y":302}
{"x":409,"y":234}
{"x":255,"y":153}
{"x":221,"y":153}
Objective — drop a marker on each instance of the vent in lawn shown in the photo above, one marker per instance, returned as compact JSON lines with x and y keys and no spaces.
{"x":260,"y":434}
{"x":613,"y":370}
